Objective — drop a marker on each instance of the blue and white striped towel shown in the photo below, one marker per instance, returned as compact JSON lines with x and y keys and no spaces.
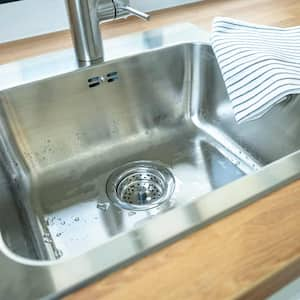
{"x":260,"y":64}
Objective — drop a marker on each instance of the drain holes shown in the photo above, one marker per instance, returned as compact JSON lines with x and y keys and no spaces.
{"x":140,"y":185}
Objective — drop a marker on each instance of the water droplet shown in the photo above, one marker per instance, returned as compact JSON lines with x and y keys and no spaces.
{"x":47,"y":238}
{"x":50,"y":221}
{"x":58,"y":234}
{"x":76,"y":219}
{"x":103,"y":206}
{"x":63,"y":222}
{"x":58,"y":253}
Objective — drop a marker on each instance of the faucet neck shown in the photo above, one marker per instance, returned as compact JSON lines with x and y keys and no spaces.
{"x":85,"y":16}
{"x":85,"y":30}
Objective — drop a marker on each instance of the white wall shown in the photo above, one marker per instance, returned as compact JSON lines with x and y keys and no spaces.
{"x":34,"y":17}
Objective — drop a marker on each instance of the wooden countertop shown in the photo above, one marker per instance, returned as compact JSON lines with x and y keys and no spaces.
{"x":247,"y":255}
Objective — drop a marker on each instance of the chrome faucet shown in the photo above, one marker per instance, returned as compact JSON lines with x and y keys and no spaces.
{"x":85,"y":16}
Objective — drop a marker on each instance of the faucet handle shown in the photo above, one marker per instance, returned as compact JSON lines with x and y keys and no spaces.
{"x":136,"y":12}
{"x":123,"y":9}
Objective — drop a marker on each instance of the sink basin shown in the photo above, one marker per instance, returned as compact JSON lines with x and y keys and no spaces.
{"x":117,"y":150}
{"x":65,"y":135}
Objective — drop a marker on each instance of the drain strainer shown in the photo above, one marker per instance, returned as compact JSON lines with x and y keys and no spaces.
{"x":140,"y":185}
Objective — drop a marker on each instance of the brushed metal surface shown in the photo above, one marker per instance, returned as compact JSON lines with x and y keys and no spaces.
{"x":62,"y":137}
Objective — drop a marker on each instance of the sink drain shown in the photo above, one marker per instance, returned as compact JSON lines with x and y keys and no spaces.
{"x":140,"y":185}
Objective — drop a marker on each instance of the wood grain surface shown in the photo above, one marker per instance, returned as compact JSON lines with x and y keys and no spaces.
{"x":247,"y":255}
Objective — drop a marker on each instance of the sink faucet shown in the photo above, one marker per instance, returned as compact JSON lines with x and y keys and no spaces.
{"x":85,"y":16}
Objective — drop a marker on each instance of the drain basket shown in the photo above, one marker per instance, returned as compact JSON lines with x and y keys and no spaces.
{"x":140,"y":185}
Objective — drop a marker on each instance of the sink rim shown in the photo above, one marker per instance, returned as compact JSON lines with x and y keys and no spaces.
{"x":187,"y":218}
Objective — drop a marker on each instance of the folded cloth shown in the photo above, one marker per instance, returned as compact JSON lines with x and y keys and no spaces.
{"x":260,"y":64}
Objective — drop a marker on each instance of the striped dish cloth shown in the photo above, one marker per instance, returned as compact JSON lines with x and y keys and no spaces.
{"x":260,"y":65}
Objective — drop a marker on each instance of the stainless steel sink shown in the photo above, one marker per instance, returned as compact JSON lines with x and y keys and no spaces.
{"x":102,"y":164}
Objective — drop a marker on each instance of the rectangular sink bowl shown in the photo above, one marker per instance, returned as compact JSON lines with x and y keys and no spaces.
{"x":140,"y":148}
